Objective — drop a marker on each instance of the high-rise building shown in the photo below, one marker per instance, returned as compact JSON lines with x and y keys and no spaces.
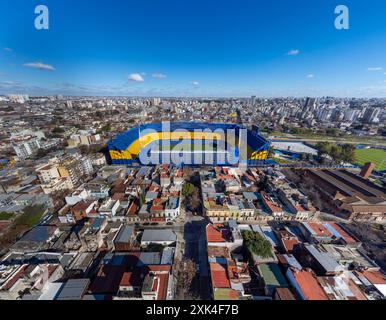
{"x":156,"y":101}
{"x":18,"y":98}
{"x":371,"y":115}
{"x":26,"y":148}
{"x":351,"y":115}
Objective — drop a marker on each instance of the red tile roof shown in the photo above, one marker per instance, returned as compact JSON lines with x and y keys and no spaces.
{"x":309,"y":285}
{"x":356,"y":291}
{"x":289,"y":244}
{"x":219,"y":276}
{"x":118,"y":196}
{"x":215,"y":234}
{"x":349,"y":239}
{"x":82,"y":205}
{"x":156,"y":208}
{"x":131,"y":279}
{"x":272,"y":206}
{"x":162,"y":286}
{"x":14,"y":278}
{"x":160,"y":268}
{"x":375,"y":277}
{"x":133,"y":209}
{"x":320,"y":229}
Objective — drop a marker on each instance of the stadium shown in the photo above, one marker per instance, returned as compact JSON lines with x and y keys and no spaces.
{"x":163,"y":143}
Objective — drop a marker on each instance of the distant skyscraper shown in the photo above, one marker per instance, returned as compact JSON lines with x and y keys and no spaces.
{"x":156,"y":101}
{"x":253,"y":100}
{"x":372,"y":115}
{"x":18,"y":98}
{"x":351,"y":115}
{"x":309,"y":104}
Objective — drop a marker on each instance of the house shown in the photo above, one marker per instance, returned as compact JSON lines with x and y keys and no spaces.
{"x":97,"y":190}
{"x":271,"y":205}
{"x":316,"y":232}
{"x":221,"y":284}
{"x":223,"y":236}
{"x":82,"y":209}
{"x":341,"y":287}
{"x":165,"y":237}
{"x":151,"y":195}
{"x":74,"y":289}
{"x":130,"y":284}
{"x":306,"y":284}
{"x":155,"y":286}
{"x":132,"y":212}
{"x":165,"y":180}
{"x":271,"y":277}
{"x":316,"y":258}
{"x":287,"y":240}
{"x":78,"y":195}
{"x":373,"y":282}
{"x":144,"y":212}
{"x":172,"y":208}
{"x":125,"y":238}
{"x":109,"y":207}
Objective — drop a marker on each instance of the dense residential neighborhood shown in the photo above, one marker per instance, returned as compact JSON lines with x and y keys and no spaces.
{"x":298,"y":224}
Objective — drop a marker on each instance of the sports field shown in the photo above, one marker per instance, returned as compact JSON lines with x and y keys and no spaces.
{"x":372,"y":155}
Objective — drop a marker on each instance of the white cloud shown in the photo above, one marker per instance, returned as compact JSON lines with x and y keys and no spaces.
{"x":136,"y":77}
{"x":310,"y":76}
{"x":40,"y":66}
{"x":375,"y":69}
{"x":159,"y":76}
{"x":8,"y":49}
{"x":293,"y":52}
{"x":195,"y":83}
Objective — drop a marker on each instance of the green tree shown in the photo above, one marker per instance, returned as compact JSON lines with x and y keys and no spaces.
{"x":188,"y":189}
{"x":58,"y":130}
{"x":348,"y":153}
{"x":106,"y":128}
{"x":257,"y":244}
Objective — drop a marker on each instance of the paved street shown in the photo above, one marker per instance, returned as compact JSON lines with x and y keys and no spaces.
{"x":191,"y":244}
{"x":195,"y":249}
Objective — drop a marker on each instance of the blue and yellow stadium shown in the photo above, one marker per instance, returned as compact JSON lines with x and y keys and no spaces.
{"x":158,"y":139}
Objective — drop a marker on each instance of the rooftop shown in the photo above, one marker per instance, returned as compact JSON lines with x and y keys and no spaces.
{"x":272,"y":275}
{"x":159,"y":235}
{"x":309,"y":286}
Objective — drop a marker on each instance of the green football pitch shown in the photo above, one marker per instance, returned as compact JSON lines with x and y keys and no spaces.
{"x":372,"y":155}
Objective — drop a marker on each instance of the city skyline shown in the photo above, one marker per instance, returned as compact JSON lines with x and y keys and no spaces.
{"x":195,"y":49}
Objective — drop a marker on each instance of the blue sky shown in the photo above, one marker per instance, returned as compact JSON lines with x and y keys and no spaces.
{"x":193,"y":48}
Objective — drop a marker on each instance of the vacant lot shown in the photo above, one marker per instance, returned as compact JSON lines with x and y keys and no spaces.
{"x":372,"y":155}
{"x":373,"y":238}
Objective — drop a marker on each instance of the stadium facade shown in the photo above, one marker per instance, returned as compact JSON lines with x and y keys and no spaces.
{"x":233,"y":144}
